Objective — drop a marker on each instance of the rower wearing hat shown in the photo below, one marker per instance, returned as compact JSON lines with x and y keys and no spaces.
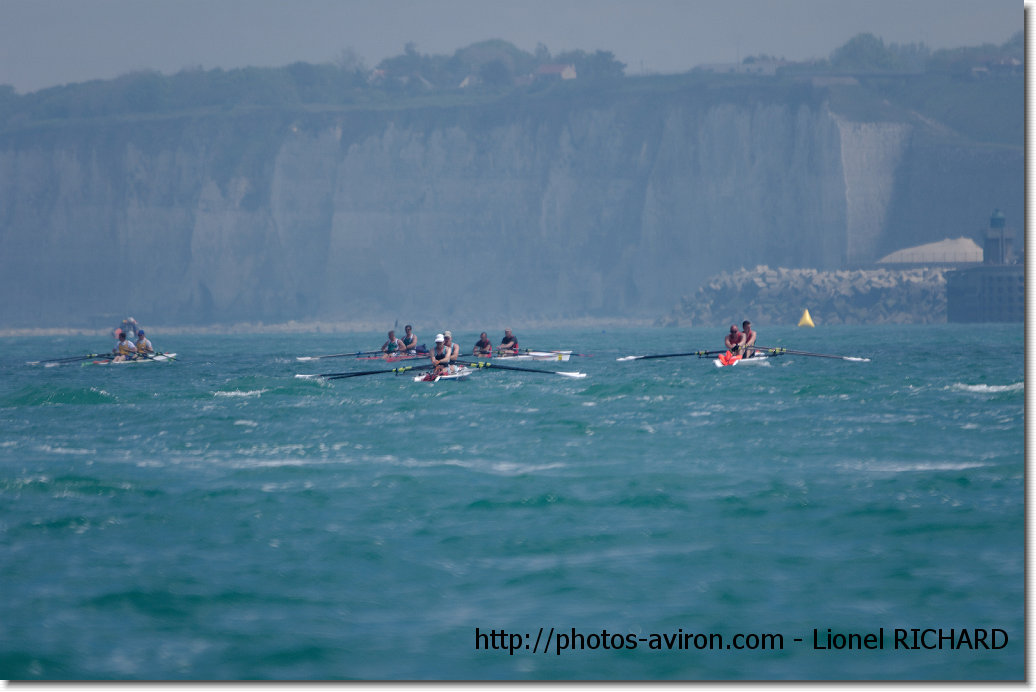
{"x":143,"y":343}
{"x":440,"y":356}
{"x":451,"y":348}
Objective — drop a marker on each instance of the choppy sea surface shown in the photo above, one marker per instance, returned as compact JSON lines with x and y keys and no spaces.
{"x":217,"y":518}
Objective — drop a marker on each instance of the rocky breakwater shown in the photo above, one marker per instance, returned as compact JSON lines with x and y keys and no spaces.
{"x":778,"y":296}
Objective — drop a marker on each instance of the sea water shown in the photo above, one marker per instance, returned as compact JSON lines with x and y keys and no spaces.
{"x":218,"y":518}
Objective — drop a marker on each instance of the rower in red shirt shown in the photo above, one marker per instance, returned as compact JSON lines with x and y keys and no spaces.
{"x":734,"y":339}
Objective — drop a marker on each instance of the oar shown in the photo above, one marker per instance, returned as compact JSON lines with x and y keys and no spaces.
{"x":700,"y":354}
{"x":361,"y":373}
{"x":488,"y":364}
{"x":337,"y":355}
{"x":779,"y":351}
{"x":70,"y":359}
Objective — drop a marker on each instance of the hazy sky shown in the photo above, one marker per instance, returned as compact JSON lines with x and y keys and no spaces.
{"x":49,"y":42}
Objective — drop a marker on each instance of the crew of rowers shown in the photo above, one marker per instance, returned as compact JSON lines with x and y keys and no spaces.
{"x":741,"y":342}
{"x":445,"y":353}
{"x":128,"y":350}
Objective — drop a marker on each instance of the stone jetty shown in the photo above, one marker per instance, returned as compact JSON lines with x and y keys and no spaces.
{"x":778,"y":296}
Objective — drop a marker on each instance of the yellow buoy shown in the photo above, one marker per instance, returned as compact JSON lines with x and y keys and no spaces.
{"x":806,"y":320}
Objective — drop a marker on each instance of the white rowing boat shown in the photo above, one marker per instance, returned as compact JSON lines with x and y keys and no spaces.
{"x":458,"y":374}
{"x":157,"y":357}
{"x":758,"y":359}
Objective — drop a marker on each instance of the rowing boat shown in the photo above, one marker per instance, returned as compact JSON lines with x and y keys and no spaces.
{"x":729,"y":360}
{"x":532,"y":355}
{"x":159,"y":357}
{"x":458,"y":374}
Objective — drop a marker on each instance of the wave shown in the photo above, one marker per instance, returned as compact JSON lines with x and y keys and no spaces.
{"x":238,"y":393}
{"x":51,"y":396}
{"x":988,"y":388}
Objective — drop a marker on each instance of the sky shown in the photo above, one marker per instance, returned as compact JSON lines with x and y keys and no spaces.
{"x":47,"y":43}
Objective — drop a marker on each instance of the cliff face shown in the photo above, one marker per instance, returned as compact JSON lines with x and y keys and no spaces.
{"x":612,"y":207}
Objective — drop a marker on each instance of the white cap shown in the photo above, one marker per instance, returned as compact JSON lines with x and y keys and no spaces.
{"x":439,"y":338}
{"x":448,"y":333}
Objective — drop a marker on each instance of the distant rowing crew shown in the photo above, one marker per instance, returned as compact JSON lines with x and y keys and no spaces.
{"x":124,"y":352}
{"x":395,"y":347}
{"x":444,"y":363}
{"x":444,"y":358}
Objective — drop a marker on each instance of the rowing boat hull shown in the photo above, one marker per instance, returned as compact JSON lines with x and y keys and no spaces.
{"x":460,"y":374}
{"x":160,"y":358}
{"x":738,"y":360}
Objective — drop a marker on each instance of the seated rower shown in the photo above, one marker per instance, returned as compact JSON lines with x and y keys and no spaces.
{"x":483,"y":347}
{"x":748,"y":339}
{"x":410,"y":340}
{"x":124,"y":350}
{"x":440,"y":356}
{"x":734,"y":339}
{"x":509,"y":344}
{"x":393,"y":345}
{"x":143,"y":344}
{"x":452,"y":348}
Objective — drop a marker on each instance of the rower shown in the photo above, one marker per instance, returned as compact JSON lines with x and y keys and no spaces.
{"x":440,"y":356}
{"x":748,"y":339}
{"x":734,"y":339}
{"x":392,"y":345}
{"x":143,"y":343}
{"x":410,"y":340}
{"x":124,"y":350}
{"x":451,"y":348}
{"x":509,"y":343}
{"x":483,"y":347}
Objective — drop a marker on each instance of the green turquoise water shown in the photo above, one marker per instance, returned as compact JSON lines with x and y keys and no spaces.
{"x":217,"y":518}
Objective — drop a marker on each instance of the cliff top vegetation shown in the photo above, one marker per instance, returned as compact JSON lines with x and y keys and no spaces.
{"x":865,"y":78}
